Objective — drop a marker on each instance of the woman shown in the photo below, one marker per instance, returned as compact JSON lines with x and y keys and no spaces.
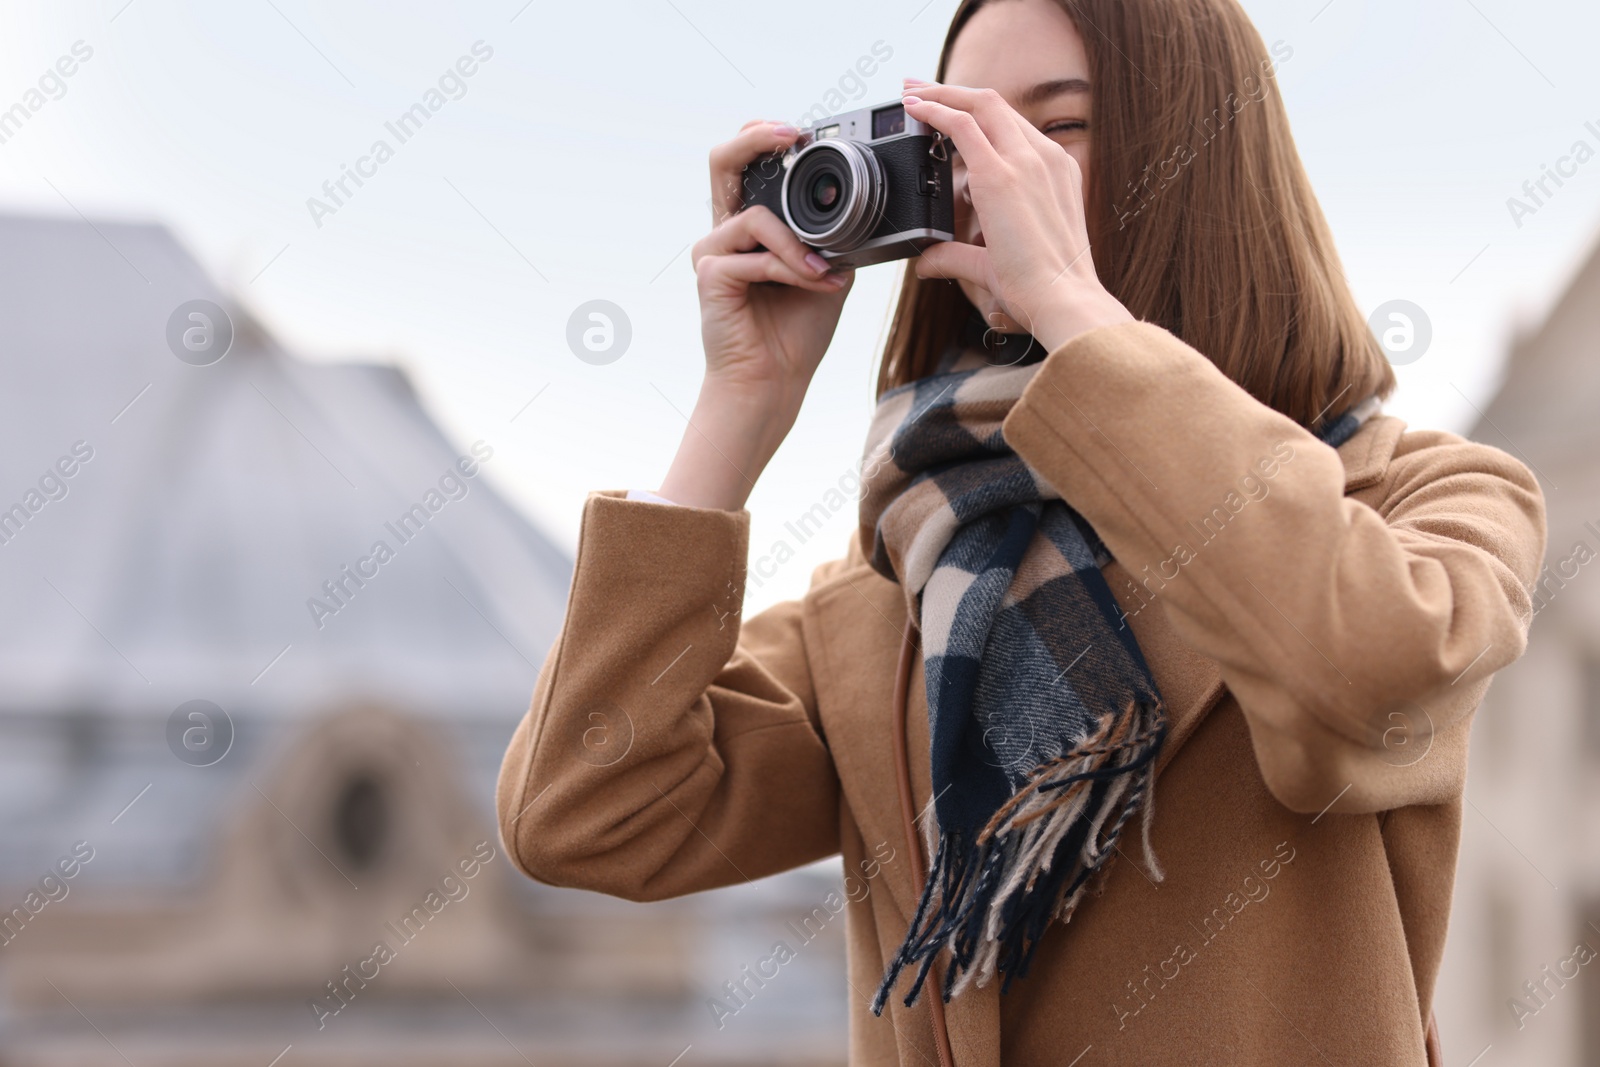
{"x":1203,"y":635}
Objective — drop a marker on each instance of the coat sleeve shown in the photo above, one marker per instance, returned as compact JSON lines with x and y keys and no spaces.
{"x":669,"y":748}
{"x":1357,"y":638}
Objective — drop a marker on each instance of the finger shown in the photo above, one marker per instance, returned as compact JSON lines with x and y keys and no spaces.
{"x":1005,"y":129}
{"x":749,"y":268}
{"x":953,"y":259}
{"x":759,"y":227}
{"x":961,"y":127}
{"x":728,"y":160}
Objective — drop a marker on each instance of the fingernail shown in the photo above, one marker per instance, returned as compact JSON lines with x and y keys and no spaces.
{"x":785,"y":130}
{"x":816,"y":263}
{"x":836,"y":281}
{"x":909,"y":99}
{"x":915,"y":81}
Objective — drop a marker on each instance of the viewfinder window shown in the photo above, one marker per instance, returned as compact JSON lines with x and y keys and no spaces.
{"x":888,"y":122}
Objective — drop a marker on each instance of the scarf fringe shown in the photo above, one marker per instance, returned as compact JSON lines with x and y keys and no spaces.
{"x":990,"y":896}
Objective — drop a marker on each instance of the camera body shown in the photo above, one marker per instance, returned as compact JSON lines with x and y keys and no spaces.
{"x":861,"y":187}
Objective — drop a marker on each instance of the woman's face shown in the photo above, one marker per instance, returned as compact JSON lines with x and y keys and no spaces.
{"x":1029,"y":52}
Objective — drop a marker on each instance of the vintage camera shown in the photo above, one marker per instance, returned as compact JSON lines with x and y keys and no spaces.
{"x":861,"y":187}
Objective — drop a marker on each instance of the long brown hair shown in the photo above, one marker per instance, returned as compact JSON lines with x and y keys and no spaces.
{"x":1200,"y":214}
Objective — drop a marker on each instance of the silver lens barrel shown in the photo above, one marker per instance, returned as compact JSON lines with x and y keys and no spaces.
{"x":863,"y":195}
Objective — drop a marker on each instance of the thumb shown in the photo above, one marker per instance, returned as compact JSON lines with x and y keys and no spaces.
{"x":955,"y":259}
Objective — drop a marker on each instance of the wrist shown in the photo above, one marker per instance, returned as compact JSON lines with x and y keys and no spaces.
{"x":731,"y":436}
{"x":747,"y":413}
{"x":1065,"y":316}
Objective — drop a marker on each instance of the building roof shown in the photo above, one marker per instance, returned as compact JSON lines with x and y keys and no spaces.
{"x":218,"y":500}
{"x":1544,"y":411}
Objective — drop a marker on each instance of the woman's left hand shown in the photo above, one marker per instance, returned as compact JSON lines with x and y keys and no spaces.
{"x":1028,"y":195}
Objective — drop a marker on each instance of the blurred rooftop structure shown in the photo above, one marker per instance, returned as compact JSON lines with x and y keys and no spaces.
{"x":173,"y":533}
{"x":1517,"y":985}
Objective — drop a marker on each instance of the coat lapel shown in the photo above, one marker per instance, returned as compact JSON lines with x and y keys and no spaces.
{"x":1189,"y":683}
{"x":858,"y":620}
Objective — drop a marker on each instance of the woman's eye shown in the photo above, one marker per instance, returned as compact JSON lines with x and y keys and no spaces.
{"x":1066,"y":126}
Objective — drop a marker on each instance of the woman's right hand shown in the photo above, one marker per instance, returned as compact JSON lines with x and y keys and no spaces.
{"x":763,"y":342}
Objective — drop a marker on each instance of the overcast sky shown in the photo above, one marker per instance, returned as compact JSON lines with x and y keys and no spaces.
{"x":569,"y":166}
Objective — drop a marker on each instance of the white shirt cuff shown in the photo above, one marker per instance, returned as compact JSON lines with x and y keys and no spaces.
{"x":648,"y":496}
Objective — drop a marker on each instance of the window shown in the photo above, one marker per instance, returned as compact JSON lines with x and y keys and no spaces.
{"x":1590,"y":698}
{"x":361,"y":820}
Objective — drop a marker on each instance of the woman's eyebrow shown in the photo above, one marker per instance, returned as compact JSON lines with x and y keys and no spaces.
{"x":1038,"y":94}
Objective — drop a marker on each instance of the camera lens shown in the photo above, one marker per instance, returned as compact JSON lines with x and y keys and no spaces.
{"x":822,"y":178}
{"x":825,"y":191}
{"x":833,"y":194}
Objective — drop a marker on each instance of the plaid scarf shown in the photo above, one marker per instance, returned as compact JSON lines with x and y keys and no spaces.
{"x":1044,"y":720}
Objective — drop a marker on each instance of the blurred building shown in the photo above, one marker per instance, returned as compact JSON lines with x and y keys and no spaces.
{"x":1521,"y":981}
{"x":241,"y":745}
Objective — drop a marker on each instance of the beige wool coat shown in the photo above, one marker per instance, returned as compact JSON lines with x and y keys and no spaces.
{"x":1321,"y":623}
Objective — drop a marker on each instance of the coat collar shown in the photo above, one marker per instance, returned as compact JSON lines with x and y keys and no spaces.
{"x":1366,"y":456}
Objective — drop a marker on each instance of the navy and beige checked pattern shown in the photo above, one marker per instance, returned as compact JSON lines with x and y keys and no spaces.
{"x":1027,"y":670}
